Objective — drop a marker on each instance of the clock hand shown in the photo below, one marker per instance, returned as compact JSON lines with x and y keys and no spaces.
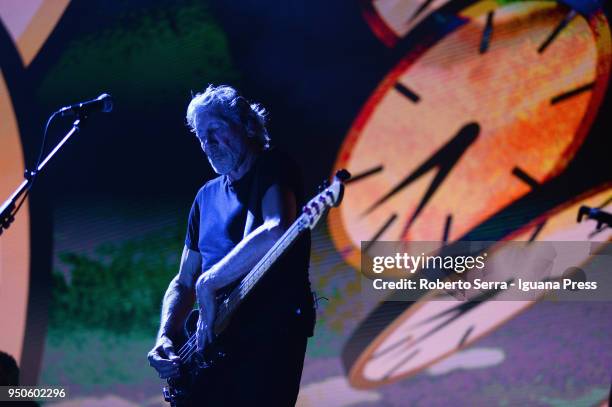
{"x":364,"y":174}
{"x":446,"y":317}
{"x":466,"y":306}
{"x":380,"y":231}
{"x":566,"y":20}
{"x":445,"y":159}
{"x":400,"y":363}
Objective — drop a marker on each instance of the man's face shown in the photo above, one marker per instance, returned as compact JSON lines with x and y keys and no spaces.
{"x":221,"y":141}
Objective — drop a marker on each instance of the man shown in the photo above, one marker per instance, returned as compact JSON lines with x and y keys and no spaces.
{"x":9,"y":376}
{"x":234,"y":220}
{"x":9,"y":371}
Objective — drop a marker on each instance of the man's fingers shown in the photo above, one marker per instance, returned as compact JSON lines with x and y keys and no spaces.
{"x":169,"y":351}
{"x":151,"y":357}
{"x":200,"y":335}
{"x":154,"y":357}
{"x":160,"y":363}
{"x":165,"y":368}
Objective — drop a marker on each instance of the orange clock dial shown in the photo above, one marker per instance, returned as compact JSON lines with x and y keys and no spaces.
{"x":28,"y":24}
{"x":470,"y":123}
{"x":429,"y":331}
{"x":15,"y":242}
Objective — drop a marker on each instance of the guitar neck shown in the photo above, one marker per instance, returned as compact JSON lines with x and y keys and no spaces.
{"x":238,"y":294}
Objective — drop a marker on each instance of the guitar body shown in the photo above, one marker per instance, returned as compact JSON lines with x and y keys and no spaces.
{"x":195,"y":368}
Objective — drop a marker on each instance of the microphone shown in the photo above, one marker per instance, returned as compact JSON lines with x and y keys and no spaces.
{"x":103,"y":103}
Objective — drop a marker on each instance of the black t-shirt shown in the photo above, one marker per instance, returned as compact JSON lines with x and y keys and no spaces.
{"x":224,"y":212}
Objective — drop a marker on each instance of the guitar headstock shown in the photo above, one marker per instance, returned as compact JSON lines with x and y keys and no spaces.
{"x":330,"y":195}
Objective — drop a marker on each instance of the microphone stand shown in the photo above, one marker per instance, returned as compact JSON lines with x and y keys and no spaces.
{"x":8,"y":208}
{"x":602,"y":217}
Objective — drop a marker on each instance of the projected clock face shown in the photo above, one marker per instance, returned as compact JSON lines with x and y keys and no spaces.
{"x":28,"y":25}
{"x":431,"y":330}
{"x":471,"y":121}
{"x":14,"y":243}
{"x":391,"y":20}
{"x":473,"y":118}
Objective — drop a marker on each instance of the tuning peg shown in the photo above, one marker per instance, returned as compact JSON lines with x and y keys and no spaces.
{"x":323,"y":185}
{"x":343,"y":175}
{"x":315,"y":206}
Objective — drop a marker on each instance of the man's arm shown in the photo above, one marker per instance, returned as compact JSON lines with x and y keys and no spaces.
{"x":177,"y":303}
{"x":279,"y":211}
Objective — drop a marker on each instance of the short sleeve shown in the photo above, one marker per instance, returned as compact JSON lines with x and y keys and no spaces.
{"x":193,"y":226}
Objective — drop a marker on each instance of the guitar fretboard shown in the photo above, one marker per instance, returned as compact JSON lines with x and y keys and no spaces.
{"x":238,"y":294}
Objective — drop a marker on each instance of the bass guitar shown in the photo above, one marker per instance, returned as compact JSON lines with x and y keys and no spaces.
{"x":192,"y":362}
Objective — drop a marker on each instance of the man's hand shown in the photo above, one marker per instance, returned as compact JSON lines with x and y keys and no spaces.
{"x":163,"y":359}
{"x":204,"y":335}
{"x":205,"y":294}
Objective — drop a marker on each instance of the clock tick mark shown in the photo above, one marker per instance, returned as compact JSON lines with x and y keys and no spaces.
{"x":394,"y":346}
{"x":486,"y":34}
{"x":465,"y":336}
{"x":407,"y":93}
{"x":562,"y":24}
{"x":572,"y":93}
{"x":447,"y":226}
{"x":365,"y":174}
{"x":537,"y":231}
{"x":526,"y":178}
{"x":449,"y":315}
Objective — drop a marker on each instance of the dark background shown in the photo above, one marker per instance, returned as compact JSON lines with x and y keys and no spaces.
{"x":108,"y":214}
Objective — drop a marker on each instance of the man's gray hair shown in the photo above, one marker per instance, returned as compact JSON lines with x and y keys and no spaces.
{"x":227,"y":102}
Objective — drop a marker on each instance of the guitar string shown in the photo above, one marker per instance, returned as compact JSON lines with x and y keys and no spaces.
{"x":185,"y":347}
{"x":248,"y":281}
{"x":188,"y":349}
{"x":189,"y":346}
